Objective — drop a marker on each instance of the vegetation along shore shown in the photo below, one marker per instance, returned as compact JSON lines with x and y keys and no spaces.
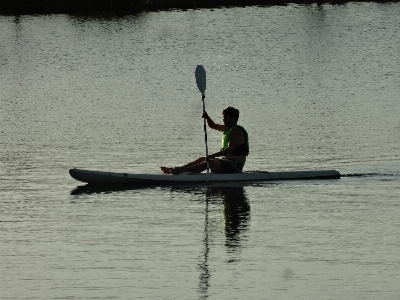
{"x":21,"y":7}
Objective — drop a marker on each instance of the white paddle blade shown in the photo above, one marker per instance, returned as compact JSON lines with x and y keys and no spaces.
{"x":200,"y":74}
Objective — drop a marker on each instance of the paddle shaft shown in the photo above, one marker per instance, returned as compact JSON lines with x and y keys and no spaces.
{"x":205,"y":133}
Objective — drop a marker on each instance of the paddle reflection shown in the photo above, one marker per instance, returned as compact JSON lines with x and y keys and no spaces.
{"x":236,"y":215}
{"x":236,"y":210}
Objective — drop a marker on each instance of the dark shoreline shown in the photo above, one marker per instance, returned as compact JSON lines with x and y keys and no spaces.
{"x":29,"y":7}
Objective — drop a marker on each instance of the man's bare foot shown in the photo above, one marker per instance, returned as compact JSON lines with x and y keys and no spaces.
{"x":166,"y":170}
{"x":176,"y":171}
{"x":173,"y":171}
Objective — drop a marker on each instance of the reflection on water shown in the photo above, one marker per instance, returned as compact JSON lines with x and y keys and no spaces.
{"x":104,"y":189}
{"x":236,"y":210}
{"x":205,"y":275}
{"x":236,"y":215}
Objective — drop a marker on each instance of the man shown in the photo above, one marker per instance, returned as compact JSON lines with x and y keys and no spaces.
{"x":235,"y":148}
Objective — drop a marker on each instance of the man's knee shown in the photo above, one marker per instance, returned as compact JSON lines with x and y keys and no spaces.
{"x":215,"y":164}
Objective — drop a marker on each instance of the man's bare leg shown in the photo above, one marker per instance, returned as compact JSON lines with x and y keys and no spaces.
{"x":166,"y":170}
{"x":193,"y":167}
{"x":191,"y":164}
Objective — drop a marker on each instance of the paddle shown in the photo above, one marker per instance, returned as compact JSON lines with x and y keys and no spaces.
{"x":200,"y":74}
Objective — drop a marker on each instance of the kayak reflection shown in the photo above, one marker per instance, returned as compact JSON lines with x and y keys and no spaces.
{"x":88,"y":189}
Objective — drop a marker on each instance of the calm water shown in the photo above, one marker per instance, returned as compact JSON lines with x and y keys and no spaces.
{"x":317,"y":88}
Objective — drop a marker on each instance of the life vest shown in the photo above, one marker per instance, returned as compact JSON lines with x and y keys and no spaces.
{"x":239,"y":149}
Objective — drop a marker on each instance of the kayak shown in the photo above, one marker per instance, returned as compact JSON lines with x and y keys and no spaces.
{"x":113,"y":178}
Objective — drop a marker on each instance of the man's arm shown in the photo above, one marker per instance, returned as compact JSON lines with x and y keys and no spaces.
{"x":212,"y":125}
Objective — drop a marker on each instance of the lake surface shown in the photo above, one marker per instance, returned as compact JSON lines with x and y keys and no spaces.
{"x":317,"y":87}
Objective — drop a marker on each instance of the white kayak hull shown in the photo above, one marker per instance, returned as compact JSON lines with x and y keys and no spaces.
{"x":112,"y":178}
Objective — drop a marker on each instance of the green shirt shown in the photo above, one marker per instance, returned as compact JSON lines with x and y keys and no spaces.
{"x":240,"y":149}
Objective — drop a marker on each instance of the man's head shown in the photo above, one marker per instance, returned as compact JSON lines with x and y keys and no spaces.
{"x":231,"y":116}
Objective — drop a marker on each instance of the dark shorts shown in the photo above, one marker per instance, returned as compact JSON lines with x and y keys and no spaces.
{"x":230,"y":166}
